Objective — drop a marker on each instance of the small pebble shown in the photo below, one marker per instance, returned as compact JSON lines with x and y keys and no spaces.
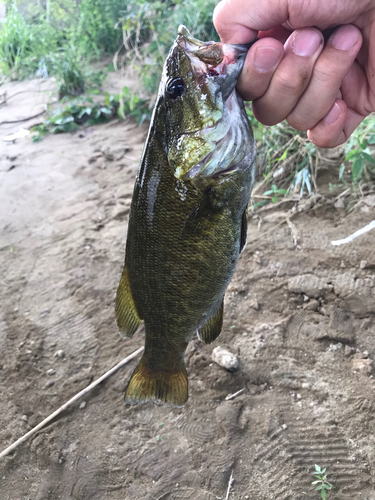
{"x":24,"y":417}
{"x":225,"y":359}
{"x":348,"y":351}
{"x":363,"y":264}
{"x":82,"y":405}
{"x":51,"y":371}
{"x":362,"y":365}
{"x":59,"y":354}
{"x":50,"y":383}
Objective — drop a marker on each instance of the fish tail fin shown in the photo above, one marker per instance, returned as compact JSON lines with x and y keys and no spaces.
{"x":146,"y":384}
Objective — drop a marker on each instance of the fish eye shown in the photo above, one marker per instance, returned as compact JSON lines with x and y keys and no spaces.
{"x":175,"y":88}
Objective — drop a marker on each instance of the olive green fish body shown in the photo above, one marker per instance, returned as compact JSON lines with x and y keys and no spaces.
{"x":186,"y":230}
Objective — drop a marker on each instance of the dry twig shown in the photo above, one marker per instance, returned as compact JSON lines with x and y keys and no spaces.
{"x":229,"y":485}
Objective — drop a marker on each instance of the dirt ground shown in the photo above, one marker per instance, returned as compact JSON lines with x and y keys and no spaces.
{"x":299,"y":314}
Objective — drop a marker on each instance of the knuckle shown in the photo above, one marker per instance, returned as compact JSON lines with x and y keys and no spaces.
{"x":299,"y":122}
{"x":326,"y":74}
{"x":292,"y":83}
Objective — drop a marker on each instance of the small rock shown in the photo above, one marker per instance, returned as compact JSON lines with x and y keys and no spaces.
{"x":362,"y":365}
{"x":284,"y":427}
{"x":363,"y":264}
{"x":82,"y":405}
{"x":335,"y":347}
{"x":312,"y":305}
{"x":254,"y":304}
{"x":340,"y":203}
{"x":50,"y":383}
{"x":59,"y":354}
{"x":348,"y":351}
{"x":225,"y":359}
{"x":51,"y":371}
{"x":24,"y":417}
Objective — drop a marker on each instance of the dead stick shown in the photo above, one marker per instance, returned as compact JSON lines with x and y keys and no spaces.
{"x":25,"y":119}
{"x":70,"y":402}
{"x":229,"y":485}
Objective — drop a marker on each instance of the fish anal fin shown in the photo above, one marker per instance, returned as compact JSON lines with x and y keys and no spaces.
{"x":243,"y":231}
{"x":212,"y":328}
{"x":127,"y":317}
{"x":147,"y":384}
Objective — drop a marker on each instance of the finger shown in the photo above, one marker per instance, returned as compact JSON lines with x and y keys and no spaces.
{"x":238,"y":21}
{"x":326,"y":79}
{"x":336,"y":127}
{"x":291,"y":76}
{"x":280,"y":33}
{"x":261,"y":61}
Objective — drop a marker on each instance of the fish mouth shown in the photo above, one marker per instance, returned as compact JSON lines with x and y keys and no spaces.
{"x":221,"y":60}
{"x":229,"y":138}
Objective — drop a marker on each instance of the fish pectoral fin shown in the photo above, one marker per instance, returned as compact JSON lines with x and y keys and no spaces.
{"x":212,"y":328}
{"x":127,"y":317}
{"x":146,"y":384}
{"x":243,"y":231}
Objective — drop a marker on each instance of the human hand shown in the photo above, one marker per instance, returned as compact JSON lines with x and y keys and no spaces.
{"x":325,"y":87}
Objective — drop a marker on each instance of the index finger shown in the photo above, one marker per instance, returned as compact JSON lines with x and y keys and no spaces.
{"x":238,"y":21}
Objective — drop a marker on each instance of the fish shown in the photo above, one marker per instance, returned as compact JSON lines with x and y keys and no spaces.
{"x":188,"y":217}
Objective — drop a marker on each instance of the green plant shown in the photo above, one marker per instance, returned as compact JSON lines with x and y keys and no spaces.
{"x":322,"y":482}
{"x":358,"y":152}
{"x":23,"y":44}
{"x":274,"y":191}
{"x":71,"y":114}
{"x":70,"y":72}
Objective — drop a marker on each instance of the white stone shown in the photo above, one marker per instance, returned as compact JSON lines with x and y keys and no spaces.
{"x":225,"y":359}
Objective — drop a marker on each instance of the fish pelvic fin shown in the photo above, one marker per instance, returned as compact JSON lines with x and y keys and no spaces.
{"x":147,"y":384}
{"x":212,"y":328}
{"x":127,"y":317}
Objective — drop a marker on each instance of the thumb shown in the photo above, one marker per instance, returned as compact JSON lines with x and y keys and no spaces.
{"x":238,"y":21}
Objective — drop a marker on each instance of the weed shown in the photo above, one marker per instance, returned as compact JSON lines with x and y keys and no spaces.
{"x":274,"y":191}
{"x":85,"y":111}
{"x":322,"y":482}
{"x":23,"y":44}
{"x":70,"y":73}
{"x":358,"y":152}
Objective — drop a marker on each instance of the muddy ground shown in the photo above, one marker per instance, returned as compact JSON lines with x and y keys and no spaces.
{"x":299,"y":313}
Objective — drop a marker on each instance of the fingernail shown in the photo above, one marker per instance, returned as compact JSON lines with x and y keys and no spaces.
{"x":306,"y":43}
{"x":266,"y":58}
{"x":332,"y":115}
{"x":344,"y":38}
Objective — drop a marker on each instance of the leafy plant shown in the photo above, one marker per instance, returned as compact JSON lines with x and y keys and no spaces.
{"x":358,"y":152}
{"x":274,"y":191}
{"x":71,"y":114}
{"x":23,"y":44}
{"x":321,"y":481}
{"x":70,"y":72}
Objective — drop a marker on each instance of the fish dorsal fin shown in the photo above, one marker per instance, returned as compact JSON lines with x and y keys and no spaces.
{"x":212,"y":328}
{"x":127,"y":317}
{"x":243,"y":231}
{"x":148,"y":384}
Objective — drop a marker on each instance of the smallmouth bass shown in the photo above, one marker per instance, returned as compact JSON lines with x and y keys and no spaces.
{"x":188,"y":223}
